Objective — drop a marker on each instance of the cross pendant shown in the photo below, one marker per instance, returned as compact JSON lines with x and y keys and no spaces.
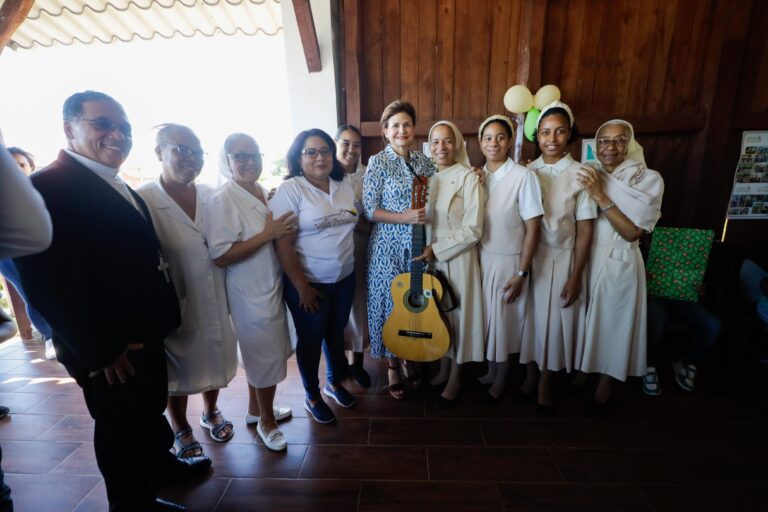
{"x":163,"y":267}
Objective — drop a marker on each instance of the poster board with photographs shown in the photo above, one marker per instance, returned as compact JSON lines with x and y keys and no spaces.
{"x":588,"y":151}
{"x":749,"y":196}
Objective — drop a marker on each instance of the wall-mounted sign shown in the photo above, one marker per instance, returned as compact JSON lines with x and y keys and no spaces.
{"x":749,"y":196}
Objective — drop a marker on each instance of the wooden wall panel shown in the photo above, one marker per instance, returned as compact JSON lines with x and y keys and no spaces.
{"x":427,"y":90}
{"x":668,"y":66}
{"x":446,"y":28}
{"x":370,"y":60}
{"x":391,"y":51}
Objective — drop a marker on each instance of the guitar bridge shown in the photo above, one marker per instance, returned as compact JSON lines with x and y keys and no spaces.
{"x":414,"y":334}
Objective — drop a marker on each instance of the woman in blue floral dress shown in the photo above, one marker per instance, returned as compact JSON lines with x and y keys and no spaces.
{"x":387,"y":201}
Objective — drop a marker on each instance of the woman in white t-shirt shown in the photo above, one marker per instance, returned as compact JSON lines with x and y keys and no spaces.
{"x":318,"y":261}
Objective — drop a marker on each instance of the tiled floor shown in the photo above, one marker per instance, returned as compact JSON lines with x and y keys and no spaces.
{"x":702,"y":451}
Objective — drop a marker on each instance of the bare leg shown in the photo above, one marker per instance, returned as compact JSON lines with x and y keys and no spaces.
{"x":177,"y":410}
{"x":545,"y":388}
{"x":266,"y":399}
{"x":603,"y":391}
{"x":490,"y":377}
{"x":253,"y":402}
{"x":209,"y":403}
{"x":531,"y":378}
{"x":453,"y":385}
{"x":443,"y":373}
{"x":500,"y":382}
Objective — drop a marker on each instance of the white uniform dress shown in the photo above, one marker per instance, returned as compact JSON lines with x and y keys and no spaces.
{"x":254,"y":285}
{"x":202,"y":352}
{"x":616,"y":337}
{"x":557,"y":330}
{"x":356,"y":336}
{"x":454,"y":227}
{"x":514,"y":196}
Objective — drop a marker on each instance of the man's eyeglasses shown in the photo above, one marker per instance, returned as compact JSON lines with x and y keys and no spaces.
{"x":243,"y":157}
{"x":185,"y":151}
{"x":104,"y":124}
{"x":619,"y":142}
{"x":314,"y":152}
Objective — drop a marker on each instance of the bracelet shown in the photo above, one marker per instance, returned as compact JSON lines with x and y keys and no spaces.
{"x":603,"y":210}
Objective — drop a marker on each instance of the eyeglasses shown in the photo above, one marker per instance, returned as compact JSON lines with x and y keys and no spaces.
{"x":619,"y":142}
{"x":185,"y":151}
{"x":104,"y":124}
{"x":242,"y":158}
{"x":314,"y":152}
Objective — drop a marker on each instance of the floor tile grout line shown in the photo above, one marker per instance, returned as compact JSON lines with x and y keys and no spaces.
{"x":647,"y":500}
{"x":37,"y":438}
{"x":88,"y":494}
{"x":557,"y":466}
{"x":221,"y":496}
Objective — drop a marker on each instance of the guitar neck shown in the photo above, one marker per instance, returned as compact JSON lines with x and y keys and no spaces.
{"x":417,"y":267}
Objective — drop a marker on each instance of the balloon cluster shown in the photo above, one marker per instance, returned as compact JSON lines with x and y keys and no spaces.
{"x":518,"y":99}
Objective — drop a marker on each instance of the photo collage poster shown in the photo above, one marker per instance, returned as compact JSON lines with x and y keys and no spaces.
{"x":749,"y":198}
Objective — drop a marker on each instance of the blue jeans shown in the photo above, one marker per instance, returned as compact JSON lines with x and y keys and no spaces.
{"x":8,"y":269}
{"x":323,"y":330}
{"x":704,"y":327}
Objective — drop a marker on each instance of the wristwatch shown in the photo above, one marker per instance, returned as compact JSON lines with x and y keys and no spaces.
{"x":522,"y":273}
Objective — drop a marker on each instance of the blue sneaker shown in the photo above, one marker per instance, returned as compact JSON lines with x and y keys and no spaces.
{"x":343,"y":397}
{"x":320,"y":412}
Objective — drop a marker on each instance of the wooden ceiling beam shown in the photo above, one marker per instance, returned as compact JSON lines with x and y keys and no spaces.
{"x":308,"y":34}
{"x":12,"y":14}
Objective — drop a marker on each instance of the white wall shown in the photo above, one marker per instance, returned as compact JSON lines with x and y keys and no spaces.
{"x":312,"y":96}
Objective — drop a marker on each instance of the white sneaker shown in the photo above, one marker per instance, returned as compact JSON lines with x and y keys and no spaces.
{"x":38,"y":336}
{"x":50,"y":352}
{"x":275,"y":440}
{"x":281,"y":413}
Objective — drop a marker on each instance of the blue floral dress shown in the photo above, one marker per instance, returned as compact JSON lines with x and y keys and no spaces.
{"x":387,"y":185}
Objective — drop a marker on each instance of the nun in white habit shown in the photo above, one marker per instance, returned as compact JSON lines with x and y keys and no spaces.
{"x":240,"y":231}
{"x":628,"y":195}
{"x":202,"y":352}
{"x":454,"y":226}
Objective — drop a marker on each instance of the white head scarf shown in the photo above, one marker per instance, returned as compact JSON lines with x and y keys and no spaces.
{"x":634,"y":149}
{"x":500,"y":118}
{"x":461,"y":147}
{"x":225,"y":169}
{"x":555,"y":104}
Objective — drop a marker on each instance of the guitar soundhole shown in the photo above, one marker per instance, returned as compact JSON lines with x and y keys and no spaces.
{"x":414,"y":303}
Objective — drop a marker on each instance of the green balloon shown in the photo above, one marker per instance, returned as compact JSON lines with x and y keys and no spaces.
{"x":530,"y":123}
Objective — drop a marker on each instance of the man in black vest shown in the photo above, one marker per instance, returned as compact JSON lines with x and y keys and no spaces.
{"x":104,"y":287}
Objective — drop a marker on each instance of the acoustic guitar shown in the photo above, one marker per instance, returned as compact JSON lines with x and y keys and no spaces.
{"x":415,"y":330}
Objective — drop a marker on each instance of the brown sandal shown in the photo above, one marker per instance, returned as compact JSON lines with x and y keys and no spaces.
{"x":396,"y":390}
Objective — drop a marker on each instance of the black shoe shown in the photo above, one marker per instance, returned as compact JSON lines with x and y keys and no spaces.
{"x":544,"y":410}
{"x":4,"y":411}
{"x":173,"y":470}
{"x":357,"y":371}
{"x":161,"y":505}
